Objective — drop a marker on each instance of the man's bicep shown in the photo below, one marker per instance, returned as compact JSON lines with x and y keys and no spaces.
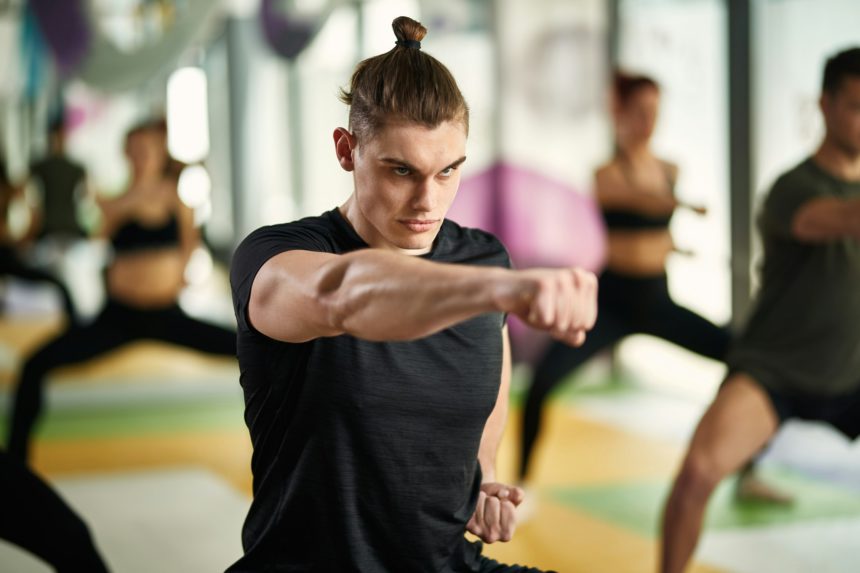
{"x":285,"y":301}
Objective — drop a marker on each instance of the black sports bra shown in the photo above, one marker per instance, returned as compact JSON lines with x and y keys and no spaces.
{"x":134,"y":236}
{"x":627,"y":220}
{"x":631,"y":221}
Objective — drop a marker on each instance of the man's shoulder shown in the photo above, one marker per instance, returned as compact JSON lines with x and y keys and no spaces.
{"x":316,"y":233}
{"x":472,"y":242}
{"x":311,"y":229}
{"x":804,"y":174}
{"x":470,"y":234}
{"x":53,"y":163}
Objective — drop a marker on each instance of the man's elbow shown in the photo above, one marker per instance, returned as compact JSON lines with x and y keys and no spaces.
{"x":331,"y":298}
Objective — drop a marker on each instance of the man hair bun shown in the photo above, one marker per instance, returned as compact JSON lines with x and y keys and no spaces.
{"x":406,"y":29}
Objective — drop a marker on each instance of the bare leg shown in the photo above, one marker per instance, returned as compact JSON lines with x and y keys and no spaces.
{"x":736,"y":426}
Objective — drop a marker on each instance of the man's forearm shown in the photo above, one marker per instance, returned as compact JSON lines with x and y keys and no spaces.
{"x":495,"y":425}
{"x":830,"y":219}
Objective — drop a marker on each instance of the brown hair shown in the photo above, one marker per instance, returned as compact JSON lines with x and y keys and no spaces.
{"x":403,"y":84}
{"x":158,"y":126}
{"x":172,"y":166}
{"x":625,"y":85}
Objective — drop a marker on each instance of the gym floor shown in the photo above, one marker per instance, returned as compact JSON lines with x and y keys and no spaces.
{"x":156,"y":460}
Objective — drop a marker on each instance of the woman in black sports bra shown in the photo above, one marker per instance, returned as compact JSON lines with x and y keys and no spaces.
{"x":153,"y":235}
{"x":636,"y":193}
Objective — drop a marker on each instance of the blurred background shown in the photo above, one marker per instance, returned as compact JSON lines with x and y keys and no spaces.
{"x":148,"y":444}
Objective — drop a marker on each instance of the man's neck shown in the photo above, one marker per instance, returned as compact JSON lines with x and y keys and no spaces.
{"x":837,"y":161}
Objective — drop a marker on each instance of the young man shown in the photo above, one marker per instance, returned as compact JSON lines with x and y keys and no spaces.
{"x":799,"y":356}
{"x":373,"y":351}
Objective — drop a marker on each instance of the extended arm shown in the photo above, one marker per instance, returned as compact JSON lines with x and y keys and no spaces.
{"x":381,"y":295}
{"x":189,"y":232}
{"x":613,"y":193}
{"x":827,"y":219}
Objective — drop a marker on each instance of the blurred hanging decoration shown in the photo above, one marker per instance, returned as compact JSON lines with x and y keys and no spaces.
{"x":449,"y":16}
{"x":10,"y":60}
{"x":288,"y":30}
{"x":65,"y":29}
{"x":109,"y":68}
{"x":80,"y":48}
{"x":35,"y":70}
{"x":563,"y":72}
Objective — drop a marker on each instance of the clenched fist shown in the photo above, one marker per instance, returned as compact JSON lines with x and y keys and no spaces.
{"x":560,"y":301}
{"x":495,"y":517}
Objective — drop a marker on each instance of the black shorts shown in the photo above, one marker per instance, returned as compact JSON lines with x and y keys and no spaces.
{"x":491,"y":566}
{"x":842,"y":412}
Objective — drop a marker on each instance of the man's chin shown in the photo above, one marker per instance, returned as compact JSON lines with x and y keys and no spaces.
{"x":422,"y":243}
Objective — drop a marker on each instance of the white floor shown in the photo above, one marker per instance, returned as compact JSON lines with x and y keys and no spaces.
{"x":820,"y":545}
{"x":183,"y":520}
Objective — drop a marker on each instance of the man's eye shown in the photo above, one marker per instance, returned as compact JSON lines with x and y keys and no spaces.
{"x":401,"y":170}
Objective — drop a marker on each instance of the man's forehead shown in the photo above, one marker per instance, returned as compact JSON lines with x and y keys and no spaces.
{"x":849,"y":86}
{"x":422,"y":145}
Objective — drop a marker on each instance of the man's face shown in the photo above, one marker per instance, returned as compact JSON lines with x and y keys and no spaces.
{"x":406,"y":178}
{"x":841,"y":111}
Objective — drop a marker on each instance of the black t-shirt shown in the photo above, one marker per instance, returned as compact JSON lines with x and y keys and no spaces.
{"x":60,"y":180}
{"x":365,"y":453}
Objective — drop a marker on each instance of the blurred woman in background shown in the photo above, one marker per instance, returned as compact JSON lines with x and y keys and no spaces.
{"x":152,"y":233}
{"x":636,"y":192}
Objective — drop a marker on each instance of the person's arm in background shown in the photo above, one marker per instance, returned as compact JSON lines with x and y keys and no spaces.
{"x":189,"y":232}
{"x":613,"y":193}
{"x":827,"y":219}
{"x":32,"y":195}
{"x":20,"y":198}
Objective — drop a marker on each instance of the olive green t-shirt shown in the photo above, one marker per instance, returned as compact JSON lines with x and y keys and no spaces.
{"x":803,"y":336}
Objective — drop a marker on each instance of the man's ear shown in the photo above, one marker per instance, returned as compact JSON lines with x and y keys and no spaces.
{"x":344,"y":145}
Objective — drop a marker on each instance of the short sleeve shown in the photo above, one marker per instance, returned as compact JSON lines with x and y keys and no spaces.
{"x":787,"y":196}
{"x":260,"y":246}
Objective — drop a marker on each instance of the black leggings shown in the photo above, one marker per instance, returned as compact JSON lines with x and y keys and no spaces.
{"x":12,"y":265}
{"x":116,"y":325}
{"x":626,"y":305}
{"x":35,"y":518}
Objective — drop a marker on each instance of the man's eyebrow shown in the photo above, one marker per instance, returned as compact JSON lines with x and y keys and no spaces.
{"x":406,"y":164}
{"x":400,"y":162}
{"x":456,"y":163}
